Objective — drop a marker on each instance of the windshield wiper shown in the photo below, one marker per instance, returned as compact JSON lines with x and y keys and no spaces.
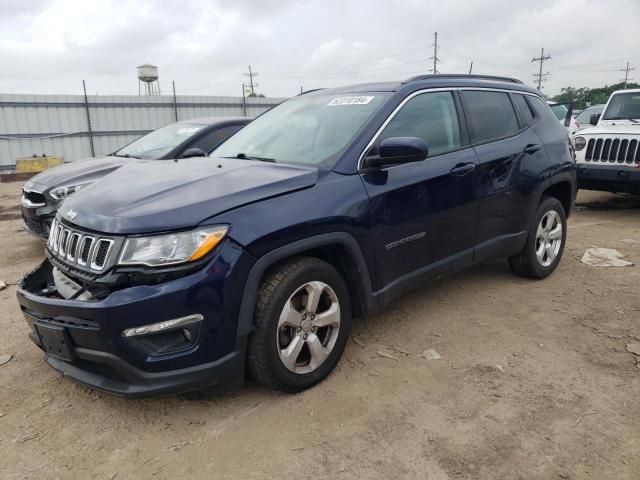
{"x":126,"y":155}
{"x":244,"y":156}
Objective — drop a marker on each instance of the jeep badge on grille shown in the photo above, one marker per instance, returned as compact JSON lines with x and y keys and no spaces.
{"x":72,"y":214}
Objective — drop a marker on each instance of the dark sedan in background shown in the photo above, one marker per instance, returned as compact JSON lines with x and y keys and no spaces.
{"x":43,"y":194}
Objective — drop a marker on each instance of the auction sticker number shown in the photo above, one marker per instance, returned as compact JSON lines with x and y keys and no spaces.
{"x":362,"y":100}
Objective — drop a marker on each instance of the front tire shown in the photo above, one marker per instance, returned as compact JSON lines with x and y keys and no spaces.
{"x":545,"y":242}
{"x":302,"y":323}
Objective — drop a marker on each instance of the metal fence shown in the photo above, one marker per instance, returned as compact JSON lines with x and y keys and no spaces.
{"x":75,"y":126}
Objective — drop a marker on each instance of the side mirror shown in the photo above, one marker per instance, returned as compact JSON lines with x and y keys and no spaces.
{"x":568,"y":116}
{"x":594,"y":119}
{"x":398,"y":150}
{"x":193,"y":152}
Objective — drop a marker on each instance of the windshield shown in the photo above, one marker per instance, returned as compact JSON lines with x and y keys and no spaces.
{"x":309,"y":129}
{"x":585,"y":116}
{"x":623,"y":106}
{"x":159,"y":142}
{"x":560,"y":111}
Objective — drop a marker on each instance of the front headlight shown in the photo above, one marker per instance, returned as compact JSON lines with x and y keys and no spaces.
{"x":172,"y":248}
{"x":60,"y":193}
{"x":580,"y":143}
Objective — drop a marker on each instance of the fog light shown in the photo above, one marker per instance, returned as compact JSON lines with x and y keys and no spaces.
{"x":161,"y":326}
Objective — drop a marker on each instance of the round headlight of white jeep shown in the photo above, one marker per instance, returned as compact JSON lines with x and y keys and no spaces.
{"x":580,"y":143}
{"x":172,"y":248}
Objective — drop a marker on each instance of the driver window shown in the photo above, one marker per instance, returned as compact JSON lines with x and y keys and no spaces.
{"x":430,"y":116}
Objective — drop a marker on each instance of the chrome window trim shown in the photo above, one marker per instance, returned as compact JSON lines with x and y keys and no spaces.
{"x":423,"y":91}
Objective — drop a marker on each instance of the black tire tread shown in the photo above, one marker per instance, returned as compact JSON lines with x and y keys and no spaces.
{"x":522,"y":264}
{"x":257,"y":362}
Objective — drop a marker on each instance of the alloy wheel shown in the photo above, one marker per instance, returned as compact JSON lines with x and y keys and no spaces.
{"x":308,"y":327}
{"x":548,"y":238}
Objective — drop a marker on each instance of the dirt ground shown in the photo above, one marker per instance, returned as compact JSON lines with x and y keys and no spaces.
{"x":534,"y":382}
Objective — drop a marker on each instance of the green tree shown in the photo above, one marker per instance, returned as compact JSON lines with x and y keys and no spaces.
{"x":585,"y":97}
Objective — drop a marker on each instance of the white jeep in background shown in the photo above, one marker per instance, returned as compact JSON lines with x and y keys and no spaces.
{"x":608,"y":154}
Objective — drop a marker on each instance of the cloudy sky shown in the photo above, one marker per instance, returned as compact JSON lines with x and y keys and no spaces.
{"x":49,"y":46}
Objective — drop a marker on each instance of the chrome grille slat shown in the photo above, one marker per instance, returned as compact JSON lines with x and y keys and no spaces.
{"x":613,"y":150}
{"x":98,"y":258}
{"x":82,"y":250}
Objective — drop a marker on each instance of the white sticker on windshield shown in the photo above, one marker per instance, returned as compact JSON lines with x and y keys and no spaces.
{"x":186,"y":130}
{"x":363,"y":100}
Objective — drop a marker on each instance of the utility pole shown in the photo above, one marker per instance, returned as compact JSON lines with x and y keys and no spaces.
{"x":89,"y":129}
{"x":541,"y":76}
{"x":175,"y":100}
{"x":626,"y":74}
{"x":435,"y":54}
{"x":244,"y":101}
{"x":252,"y":84}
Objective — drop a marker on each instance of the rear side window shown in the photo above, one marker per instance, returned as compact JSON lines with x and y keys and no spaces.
{"x":490,"y":114}
{"x":213,"y":139}
{"x":543,"y":110}
{"x":523,"y":109}
{"x":430,"y":116}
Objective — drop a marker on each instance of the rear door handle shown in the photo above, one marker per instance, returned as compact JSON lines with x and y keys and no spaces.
{"x":462,"y":169}
{"x":532,"y":148}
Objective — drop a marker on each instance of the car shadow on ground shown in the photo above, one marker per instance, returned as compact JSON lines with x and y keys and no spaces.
{"x":611,"y":202}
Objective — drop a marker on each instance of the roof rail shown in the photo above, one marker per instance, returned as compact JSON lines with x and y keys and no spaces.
{"x":461,"y":76}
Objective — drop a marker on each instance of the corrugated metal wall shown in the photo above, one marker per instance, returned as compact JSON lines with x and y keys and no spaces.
{"x":57,"y":124}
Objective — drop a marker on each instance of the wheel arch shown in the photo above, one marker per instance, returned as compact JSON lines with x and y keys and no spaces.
{"x":563,"y":189}
{"x":339,"y":249}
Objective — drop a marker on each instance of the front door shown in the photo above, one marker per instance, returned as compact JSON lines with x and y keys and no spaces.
{"x":423,"y":214}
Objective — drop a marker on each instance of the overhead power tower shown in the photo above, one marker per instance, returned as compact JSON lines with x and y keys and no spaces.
{"x":252,"y":85}
{"x":541,"y":77}
{"x":626,"y":71}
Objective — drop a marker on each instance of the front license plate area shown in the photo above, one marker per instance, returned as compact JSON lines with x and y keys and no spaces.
{"x":55,"y":341}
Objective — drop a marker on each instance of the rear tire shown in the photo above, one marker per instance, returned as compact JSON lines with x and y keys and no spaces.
{"x":302,"y":322}
{"x":545,"y":242}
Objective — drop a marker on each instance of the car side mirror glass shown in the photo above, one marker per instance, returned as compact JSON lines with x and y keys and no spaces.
{"x":398,"y":150}
{"x":193,"y":152}
{"x":595,"y":118}
{"x":569,"y":115}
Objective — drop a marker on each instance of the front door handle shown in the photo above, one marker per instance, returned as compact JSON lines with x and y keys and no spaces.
{"x":532,"y":148}
{"x":463,"y":169}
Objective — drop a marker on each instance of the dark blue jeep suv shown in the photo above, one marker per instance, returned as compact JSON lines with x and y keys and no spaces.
{"x":184,"y":274}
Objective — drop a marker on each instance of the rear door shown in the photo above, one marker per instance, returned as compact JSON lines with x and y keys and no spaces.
{"x":422,"y":214}
{"x":511,"y":157}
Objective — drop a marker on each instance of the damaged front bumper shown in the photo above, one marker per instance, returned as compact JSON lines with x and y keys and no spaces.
{"x":86,"y":340}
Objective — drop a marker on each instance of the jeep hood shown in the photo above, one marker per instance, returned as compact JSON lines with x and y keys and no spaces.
{"x":612,"y":127}
{"x":151,"y":196}
{"x":80,"y":171}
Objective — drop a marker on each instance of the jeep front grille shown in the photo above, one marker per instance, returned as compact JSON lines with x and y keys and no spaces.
{"x":33,"y":199}
{"x":88,"y":252}
{"x":613,"y":150}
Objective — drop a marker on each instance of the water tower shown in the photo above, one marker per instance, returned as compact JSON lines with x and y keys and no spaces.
{"x":148,"y":75}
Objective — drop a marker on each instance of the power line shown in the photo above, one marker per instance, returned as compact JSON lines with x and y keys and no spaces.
{"x":626,"y":74}
{"x":541,"y":76}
